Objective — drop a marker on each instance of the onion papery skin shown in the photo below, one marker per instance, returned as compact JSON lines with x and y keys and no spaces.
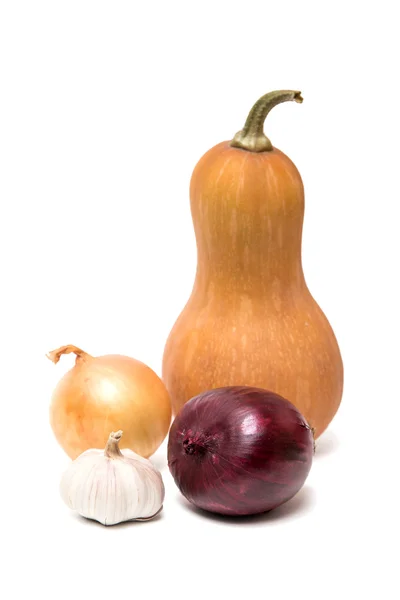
{"x":239,"y":450}
{"x":105,"y":393}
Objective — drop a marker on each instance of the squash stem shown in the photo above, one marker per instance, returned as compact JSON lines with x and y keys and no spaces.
{"x":252,"y":136}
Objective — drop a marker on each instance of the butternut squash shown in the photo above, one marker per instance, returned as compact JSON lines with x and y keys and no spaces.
{"x":251,"y":319}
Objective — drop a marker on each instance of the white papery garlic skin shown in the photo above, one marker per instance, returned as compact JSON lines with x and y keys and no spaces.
{"x":113,"y":485}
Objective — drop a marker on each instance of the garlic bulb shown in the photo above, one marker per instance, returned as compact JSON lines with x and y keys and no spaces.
{"x":111,"y":486}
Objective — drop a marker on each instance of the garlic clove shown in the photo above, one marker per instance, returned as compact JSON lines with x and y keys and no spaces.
{"x":113,"y":486}
{"x":149,"y":518}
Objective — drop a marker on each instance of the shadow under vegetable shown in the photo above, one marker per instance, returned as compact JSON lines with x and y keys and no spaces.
{"x":326,"y":445}
{"x":300,"y":504}
{"x":133,"y":522}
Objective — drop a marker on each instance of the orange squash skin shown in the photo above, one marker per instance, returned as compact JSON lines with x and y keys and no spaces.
{"x":251,"y":319}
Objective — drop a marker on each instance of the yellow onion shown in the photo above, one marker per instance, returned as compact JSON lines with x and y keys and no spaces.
{"x":108,"y":393}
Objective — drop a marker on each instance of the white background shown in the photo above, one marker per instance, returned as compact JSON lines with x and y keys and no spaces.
{"x":105,"y":108}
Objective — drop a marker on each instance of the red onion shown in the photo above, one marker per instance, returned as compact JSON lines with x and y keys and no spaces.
{"x":239,"y":450}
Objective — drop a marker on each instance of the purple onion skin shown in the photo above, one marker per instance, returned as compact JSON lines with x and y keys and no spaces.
{"x":239,"y":450}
